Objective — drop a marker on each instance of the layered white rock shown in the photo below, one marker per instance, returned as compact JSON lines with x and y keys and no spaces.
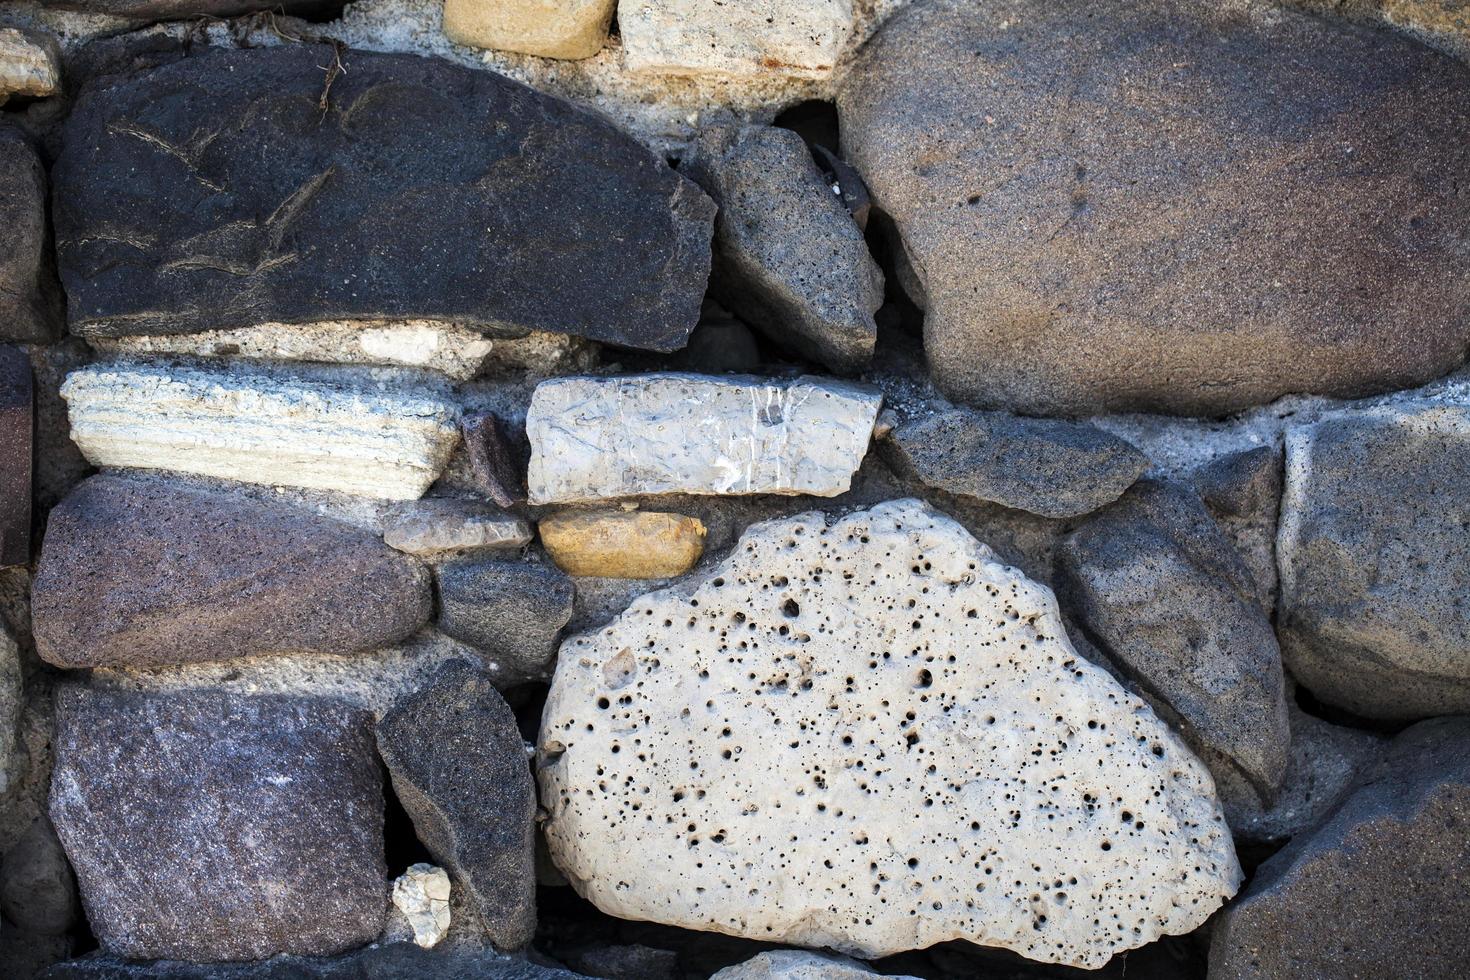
{"x":873,"y":736}
{"x":30,"y":64}
{"x":359,"y":439}
{"x":599,"y":438}
{"x":421,"y":893}
{"x":755,"y":37}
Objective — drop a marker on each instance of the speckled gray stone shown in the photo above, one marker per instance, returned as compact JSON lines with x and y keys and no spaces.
{"x":438,"y":525}
{"x":398,"y":961}
{"x":511,"y":611}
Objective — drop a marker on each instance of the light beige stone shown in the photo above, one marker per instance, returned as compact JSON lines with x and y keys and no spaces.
{"x":431,"y":527}
{"x":569,"y":29}
{"x":600,"y":438}
{"x":791,"y":964}
{"x":318,"y":434}
{"x":623,"y":544}
{"x":873,"y":736}
{"x":30,"y":64}
{"x":421,"y":893}
{"x":751,"y":37}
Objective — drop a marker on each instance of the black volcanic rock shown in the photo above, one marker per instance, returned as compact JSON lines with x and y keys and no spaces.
{"x":30,"y":307}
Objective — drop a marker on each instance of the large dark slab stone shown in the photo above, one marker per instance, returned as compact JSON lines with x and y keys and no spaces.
{"x":1378,"y":890}
{"x":232,"y":188}
{"x":30,"y":306}
{"x":510,"y":610}
{"x":141,"y":573}
{"x":157,"y":10}
{"x":460,"y":769}
{"x":399,"y":961}
{"x":209,"y":826}
{"x":17,"y":428}
{"x":1175,"y":205}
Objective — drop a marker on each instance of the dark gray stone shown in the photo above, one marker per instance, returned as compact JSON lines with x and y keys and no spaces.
{"x":1164,"y":594}
{"x":496,"y":468}
{"x":30,"y":302}
{"x":37,"y":889}
{"x":399,"y":961}
{"x":1375,"y":560}
{"x":789,"y":259}
{"x":1243,"y":493}
{"x":58,"y":464}
{"x":422,"y":190}
{"x":627,"y":963}
{"x":17,"y":426}
{"x":511,"y":611}
{"x":149,"y":11}
{"x":209,"y":826}
{"x":1042,"y":466}
{"x":1172,"y":205}
{"x":1378,"y":890}
{"x":720,"y":344}
{"x":141,"y":573}
{"x":460,"y":769}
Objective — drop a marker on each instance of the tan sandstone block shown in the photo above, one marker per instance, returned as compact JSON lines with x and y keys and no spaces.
{"x":623,"y":544}
{"x":570,"y":29}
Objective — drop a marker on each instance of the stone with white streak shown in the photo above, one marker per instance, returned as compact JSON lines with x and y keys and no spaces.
{"x":599,"y":438}
{"x":260,"y":429}
{"x":422,"y":894}
{"x":30,"y":64}
{"x":803,"y":38}
{"x":801,"y":747}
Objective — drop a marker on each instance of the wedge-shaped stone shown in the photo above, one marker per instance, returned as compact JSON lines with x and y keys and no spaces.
{"x":259,"y":429}
{"x":141,"y":573}
{"x":210,"y":826}
{"x":873,"y":736}
{"x":412,"y":189}
{"x":596,"y":438}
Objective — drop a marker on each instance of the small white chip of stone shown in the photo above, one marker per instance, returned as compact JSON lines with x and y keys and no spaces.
{"x":422,"y":894}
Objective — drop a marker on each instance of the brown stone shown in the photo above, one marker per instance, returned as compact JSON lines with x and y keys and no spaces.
{"x":16,"y":426}
{"x":623,"y":544}
{"x":495,"y":466}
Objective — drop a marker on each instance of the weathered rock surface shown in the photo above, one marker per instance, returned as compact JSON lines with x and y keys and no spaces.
{"x":30,"y":64}
{"x":434,"y":526}
{"x":1373,"y":556}
{"x":138,"y":573}
{"x":799,"y":747}
{"x":495,"y":468}
{"x":575,"y":29}
{"x":512,"y":611}
{"x":17,"y":427}
{"x":598,"y":438}
{"x":399,"y":961}
{"x":156,"y":10}
{"x":623,"y":544}
{"x":38,"y":891}
{"x":1442,"y":24}
{"x":459,"y":768}
{"x":12,"y":703}
{"x":209,"y":826}
{"x":30,"y":302}
{"x":1377,"y":890}
{"x":422,"y":894}
{"x":1046,"y":467}
{"x":789,"y":259}
{"x":1167,"y":204}
{"x":1163,"y":592}
{"x":625,"y":962}
{"x":691,"y":37}
{"x":256,"y":428}
{"x":790,"y":964}
{"x":1242,"y":492}
{"x":422,"y":191}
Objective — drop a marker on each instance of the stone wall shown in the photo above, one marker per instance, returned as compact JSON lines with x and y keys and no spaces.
{"x":677,"y":489}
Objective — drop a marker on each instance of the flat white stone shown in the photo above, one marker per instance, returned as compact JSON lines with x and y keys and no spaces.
{"x":421,"y":893}
{"x":30,"y":64}
{"x":255,"y":429}
{"x":873,"y":736}
{"x":801,"y":38}
{"x":598,"y":438}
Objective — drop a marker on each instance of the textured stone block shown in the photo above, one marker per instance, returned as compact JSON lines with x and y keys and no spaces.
{"x":30,"y":64}
{"x":12,"y":703}
{"x":756,"y":37}
{"x":623,"y":544}
{"x":596,"y":438}
{"x":209,"y":826}
{"x":30,"y":302}
{"x":434,"y":526}
{"x":260,"y":429}
{"x":546,"y":28}
{"x":803,"y":747}
{"x":512,"y":611}
{"x":139,"y":573}
{"x":17,"y":431}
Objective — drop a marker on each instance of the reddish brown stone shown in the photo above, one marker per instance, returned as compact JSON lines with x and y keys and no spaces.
{"x":15,"y":456}
{"x":498,"y":470}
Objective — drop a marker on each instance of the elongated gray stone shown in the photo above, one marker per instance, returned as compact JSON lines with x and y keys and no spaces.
{"x":30,"y":308}
{"x":596,"y":438}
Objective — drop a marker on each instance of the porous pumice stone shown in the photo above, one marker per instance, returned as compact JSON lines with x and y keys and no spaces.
{"x":873,"y":736}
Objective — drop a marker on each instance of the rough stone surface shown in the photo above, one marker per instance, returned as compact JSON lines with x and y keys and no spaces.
{"x":38,"y":891}
{"x":1242,"y":491}
{"x":496,"y":469}
{"x":255,"y":428}
{"x":548,"y":28}
{"x":422,"y":894}
{"x":1377,"y":890}
{"x":799,"y":747}
{"x":459,"y":768}
{"x":625,"y":962}
{"x":423,"y":192}
{"x":1169,"y":205}
{"x":598,"y":438}
{"x":12,"y":704}
{"x":790,"y":964}
{"x":511,"y":611}
{"x":1163,"y":592}
{"x":30,"y":304}
{"x":431,"y":527}
{"x":1045,"y":467}
{"x":1373,"y":556}
{"x":17,"y":426}
{"x":789,"y":259}
{"x":30,"y":64}
{"x":694,"y":37}
{"x":156,"y":10}
{"x":209,"y":826}
{"x":623,"y":544}
{"x":138,"y":573}
{"x":1442,"y":24}
{"x":398,"y":961}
